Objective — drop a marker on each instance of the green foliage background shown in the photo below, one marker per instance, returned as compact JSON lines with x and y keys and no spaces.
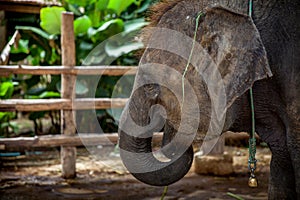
{"x":95,"y":21}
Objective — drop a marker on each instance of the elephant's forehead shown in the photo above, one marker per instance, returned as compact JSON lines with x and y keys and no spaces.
{"x":162,"y":74}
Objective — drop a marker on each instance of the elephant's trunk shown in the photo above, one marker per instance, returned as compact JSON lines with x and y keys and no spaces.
{"x":138,"y":158}
{"x":136,"y":132}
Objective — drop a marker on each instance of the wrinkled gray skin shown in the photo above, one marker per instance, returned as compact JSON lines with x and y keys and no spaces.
{"x":263,"y":53}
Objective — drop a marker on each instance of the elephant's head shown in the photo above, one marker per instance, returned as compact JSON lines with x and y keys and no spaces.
{"x":226,"y":58}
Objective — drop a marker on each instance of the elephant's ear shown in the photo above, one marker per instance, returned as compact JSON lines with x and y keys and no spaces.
{"x":234,"y":44}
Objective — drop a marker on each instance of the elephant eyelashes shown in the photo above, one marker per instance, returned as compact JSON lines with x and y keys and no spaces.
{"x":152,"y":90}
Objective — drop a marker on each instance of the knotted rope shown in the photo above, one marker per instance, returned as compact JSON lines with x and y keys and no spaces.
{"x":252,"y":141}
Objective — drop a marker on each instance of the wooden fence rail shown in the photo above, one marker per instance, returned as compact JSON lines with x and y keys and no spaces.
{"x":76,"y":70}
{"x":60,"y":104}
{"x":28,"y":143}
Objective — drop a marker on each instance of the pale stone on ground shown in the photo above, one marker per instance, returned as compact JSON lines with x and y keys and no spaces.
{"x":219,"y":165}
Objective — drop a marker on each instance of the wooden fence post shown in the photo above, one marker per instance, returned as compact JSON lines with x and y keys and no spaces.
{"x":2,"y":30}
{"x":68,"y":154}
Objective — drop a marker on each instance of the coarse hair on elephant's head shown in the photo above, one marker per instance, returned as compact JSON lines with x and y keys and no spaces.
{"x":200,"y":57}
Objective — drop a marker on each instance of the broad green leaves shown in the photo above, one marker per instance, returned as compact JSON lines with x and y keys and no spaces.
{"x":119,"y":6}
{"x":22,"y":47}
{"x":95,"y":22}
{"x":37,"y":31}
{"x":44,"y":95}
{"x":134,"y":25}
{"x":115,"y":45}
{"x":124,"y":46}
{"x":6,"y":90}
{"x":115,"y":50}
{"x":51,"y":19}
{"x":81,"y":25}
{"x":101,"y":5}
{"x":107,"y":29}
{"x":37,"y":47}
{"x":79,"y":2}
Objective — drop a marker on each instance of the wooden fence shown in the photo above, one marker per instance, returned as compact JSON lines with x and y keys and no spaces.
{"x":68,"y":140}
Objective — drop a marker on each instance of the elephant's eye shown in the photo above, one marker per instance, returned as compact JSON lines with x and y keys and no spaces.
{"x":149,"y":87}
{"x":152,"y":90}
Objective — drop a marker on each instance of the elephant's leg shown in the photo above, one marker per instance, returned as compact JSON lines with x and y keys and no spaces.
{"x":293,"y":142}
{"x":282,"y":182}
{"x":294,"y":148}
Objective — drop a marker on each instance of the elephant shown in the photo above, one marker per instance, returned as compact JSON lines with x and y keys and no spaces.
{"x":202,"y":59}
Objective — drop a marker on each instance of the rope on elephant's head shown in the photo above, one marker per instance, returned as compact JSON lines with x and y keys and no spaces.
{"x":250,"y":10}
{"x":252,"y":141}
{"x":199,"y":15}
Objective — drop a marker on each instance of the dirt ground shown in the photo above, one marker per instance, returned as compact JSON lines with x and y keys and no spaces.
{"x":36,"y":175}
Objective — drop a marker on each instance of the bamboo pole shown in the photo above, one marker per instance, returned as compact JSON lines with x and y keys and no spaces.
{"x":31,"y":105}
{"x":77,"y":70}
{"x":68,"y":128}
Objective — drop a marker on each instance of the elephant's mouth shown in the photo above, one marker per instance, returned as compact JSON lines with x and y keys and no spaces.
{"x":161,"y":168}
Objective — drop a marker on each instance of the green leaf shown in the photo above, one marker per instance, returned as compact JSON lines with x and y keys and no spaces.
{"x":146,"y":4}
{"x":102,"y":4}
{"x":51,"y":19}
{"x":107,"y":29}
{"x":141,"y":7}
{"x":95,"y":18}
{"x":6,"y":116}
{"x":14,"y":126}
{"x":138,"y":2}
{"x":32,"y":81}
{"x":74,"y":9}
{"x":86,"y":46}
{"x":40,"y":45}
{"x":112,"y":49}
{"x":49,"y":94}
{"x":36,"y":115}
{"x":35,"y":91}
{"x":6,"y":90}
{"x":82,"y":3}
{"x":44,"y":95}
{"x":134,"y":25}
{"x":54,"y":57}
{"x":81,"y":25}
{"x":22,"y":47}
{"x":98,"y":59}
{"x":37,"y":31}
{"x":110,"y":23}
{"x":31,"y":97}
{"x":119,"y":6}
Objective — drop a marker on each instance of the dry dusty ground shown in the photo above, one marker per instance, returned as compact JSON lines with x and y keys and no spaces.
{"x":38,"y":177}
